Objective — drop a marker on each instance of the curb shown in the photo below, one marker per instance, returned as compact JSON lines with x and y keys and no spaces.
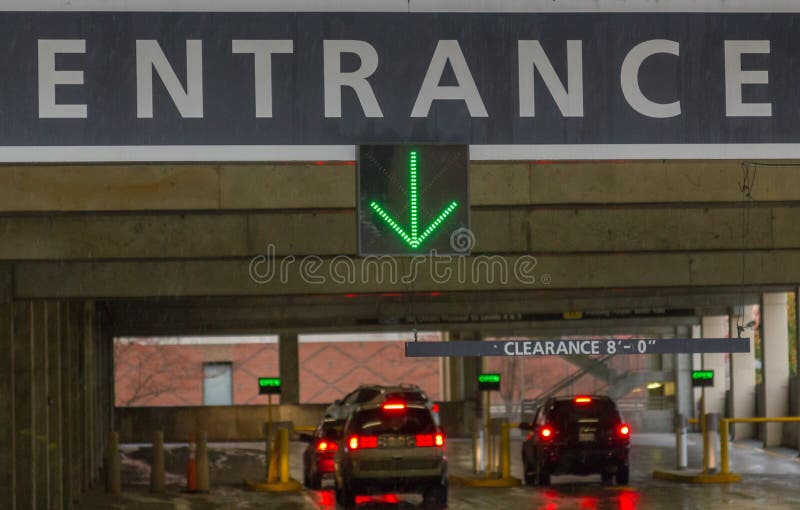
{"x":495,"y":483}
{"x":291,"y":486}
{"x":696,"y":477}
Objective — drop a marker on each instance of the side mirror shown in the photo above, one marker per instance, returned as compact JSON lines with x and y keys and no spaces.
{"x":525,"y":426}
{"x":306,"y":438}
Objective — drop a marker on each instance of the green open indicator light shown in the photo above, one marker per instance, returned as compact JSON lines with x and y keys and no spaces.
{"x":269,"y":385}
{"x":702,"y":378}
{"x":411,"y":199}
{"x":489,"y":382}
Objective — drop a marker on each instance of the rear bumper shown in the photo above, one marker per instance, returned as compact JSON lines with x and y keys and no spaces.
{"x":404,"y":484}
{"x":565,"y":460}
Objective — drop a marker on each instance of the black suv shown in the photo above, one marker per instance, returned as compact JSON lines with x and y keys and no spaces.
{"x":580,"y":435}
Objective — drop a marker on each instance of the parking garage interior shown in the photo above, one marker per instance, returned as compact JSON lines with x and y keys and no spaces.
{"x":118,"y":265}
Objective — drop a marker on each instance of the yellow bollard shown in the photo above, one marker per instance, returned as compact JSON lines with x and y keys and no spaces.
{"x":505,"y":451}
{"x":723,"y":446}
{"x":283,"y":435}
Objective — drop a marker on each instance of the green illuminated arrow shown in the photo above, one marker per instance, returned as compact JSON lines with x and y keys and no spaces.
{"x":414,"y":239}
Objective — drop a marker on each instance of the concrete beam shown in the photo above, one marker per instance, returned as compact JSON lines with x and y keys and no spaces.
{"x":308,"y":185}
{"x":313,"y":277}
{"x":507,"y":230}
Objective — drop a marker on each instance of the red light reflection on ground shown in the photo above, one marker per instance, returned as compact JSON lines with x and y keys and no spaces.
{"x":628,"y":500}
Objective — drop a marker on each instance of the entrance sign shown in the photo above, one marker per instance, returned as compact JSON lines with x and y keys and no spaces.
{"x":514,"y":80}
{"x":269,"y":385}
{"x":702,"y":378}
{"x":412,"y":199}
{"x":488,"y":382}
{"x":572,"y":347}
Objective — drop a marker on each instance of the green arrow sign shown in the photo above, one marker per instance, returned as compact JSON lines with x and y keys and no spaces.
{"x":413,"y":239}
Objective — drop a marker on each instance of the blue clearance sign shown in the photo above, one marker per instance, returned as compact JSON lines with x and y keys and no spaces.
{"x":593,"y":84}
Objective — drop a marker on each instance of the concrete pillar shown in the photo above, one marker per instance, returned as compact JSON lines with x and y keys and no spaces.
{"x":54,"y":427}
{"x":452,"y":376}
{"x":697,"y":363}
{"x":39,"y":403}
{"x":66,"y":336}
{"x":25,"y":466}
{"x":682,"y":368}
{"x":743,"y":377}
{"x":289,"y":367}
{"x":775,"y":351}
{"x":715,"y":326}
{"x":7,"y":431}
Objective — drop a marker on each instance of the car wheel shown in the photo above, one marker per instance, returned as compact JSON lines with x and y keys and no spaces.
{"x":606,"y":477}
{"x":542,"y":476}
{"x":623,"y":475}
{"x":435,"y":497}
{"x":530,"y":477}
{"x":346,"y":496}
{"x":314,"y":481}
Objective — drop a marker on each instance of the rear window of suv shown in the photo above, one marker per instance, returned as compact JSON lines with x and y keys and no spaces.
{"x":567,"y":411}
{"x":375,"y":422}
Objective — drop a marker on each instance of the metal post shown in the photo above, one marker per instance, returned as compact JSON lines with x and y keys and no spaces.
{"x":269,"y":437}
{"x":113,"y":480}
{"x":487,"y":434}
{"x":203,"y":484}
{"x":710,"y":443}
{"x":505,"y":449}
{"x":724,"y":432}
{"x":157,"y":463}
{"x":681,"y":443}
{"x":284,"y":452}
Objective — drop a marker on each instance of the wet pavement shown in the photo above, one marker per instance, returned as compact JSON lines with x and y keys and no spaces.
{"x":771,"y":479}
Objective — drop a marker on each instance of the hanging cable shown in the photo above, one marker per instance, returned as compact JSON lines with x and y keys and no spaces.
{"x":746,"y":186}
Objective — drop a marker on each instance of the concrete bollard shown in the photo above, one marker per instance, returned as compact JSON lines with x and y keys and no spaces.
{"x":157,"y":463}
{"x":681,"y":441}
{"x":203,"y":482}
{"x":710,"y":443}
{"x":113,"y":478}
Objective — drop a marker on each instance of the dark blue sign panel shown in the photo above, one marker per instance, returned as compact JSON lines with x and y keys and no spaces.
{"x":561,"y":347}
{"x":601,"y":84}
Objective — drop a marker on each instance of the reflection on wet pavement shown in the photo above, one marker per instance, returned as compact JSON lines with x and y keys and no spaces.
{"x":771,"y":480}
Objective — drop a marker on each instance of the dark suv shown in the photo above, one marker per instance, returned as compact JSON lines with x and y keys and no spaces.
{"x":580,"y":435}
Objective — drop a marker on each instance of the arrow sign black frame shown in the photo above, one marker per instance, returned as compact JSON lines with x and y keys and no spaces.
{"x":558,"y":347}
{"x":412,"y":199}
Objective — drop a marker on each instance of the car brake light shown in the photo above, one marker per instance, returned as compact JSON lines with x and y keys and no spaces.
{"x":356,"y":442}
{"x":546,"y":433}
{"x":583,"y":400}
{"x":394,"y":406}
{"x":435,"y":408}
{"x":425,"y":440}
{"x":327,"y":446}
{"x":624,"y":431}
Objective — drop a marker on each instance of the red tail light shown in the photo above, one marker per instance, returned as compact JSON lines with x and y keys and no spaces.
{"x":326,"y":446}
{"x":356,"y":442}
{"x":435,"y":408}
{"x":546,"y":433}
{"x":424,"y":440}
{"x":624,"y":431}
{"x":394,"y":406}
{"x":583,"y":400}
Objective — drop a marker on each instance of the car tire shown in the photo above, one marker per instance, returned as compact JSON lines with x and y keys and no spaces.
{"x":542,"y":476}
{"x":623,"y":475}
{"x":435,"y":497}
{"x":530,"y":477}
{"x":347,"y":497}
{"x":606,"y":477}
{"x":314,"y":482}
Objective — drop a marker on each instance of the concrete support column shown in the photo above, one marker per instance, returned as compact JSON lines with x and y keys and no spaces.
{"x":7,"y":401}
{"x":289,"y":367}
{"x":775,"y":368}
{"x":55,"y":494}
{"x":697,"y":363}
{"x":452,"y":377}
{"x":743,"y":376}
{"x":25,"y":465}
{"x":682,"y":368}
{"x":715,"y":326}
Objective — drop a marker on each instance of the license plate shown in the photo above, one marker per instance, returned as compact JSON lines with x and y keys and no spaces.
{"x":586,"y":437}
